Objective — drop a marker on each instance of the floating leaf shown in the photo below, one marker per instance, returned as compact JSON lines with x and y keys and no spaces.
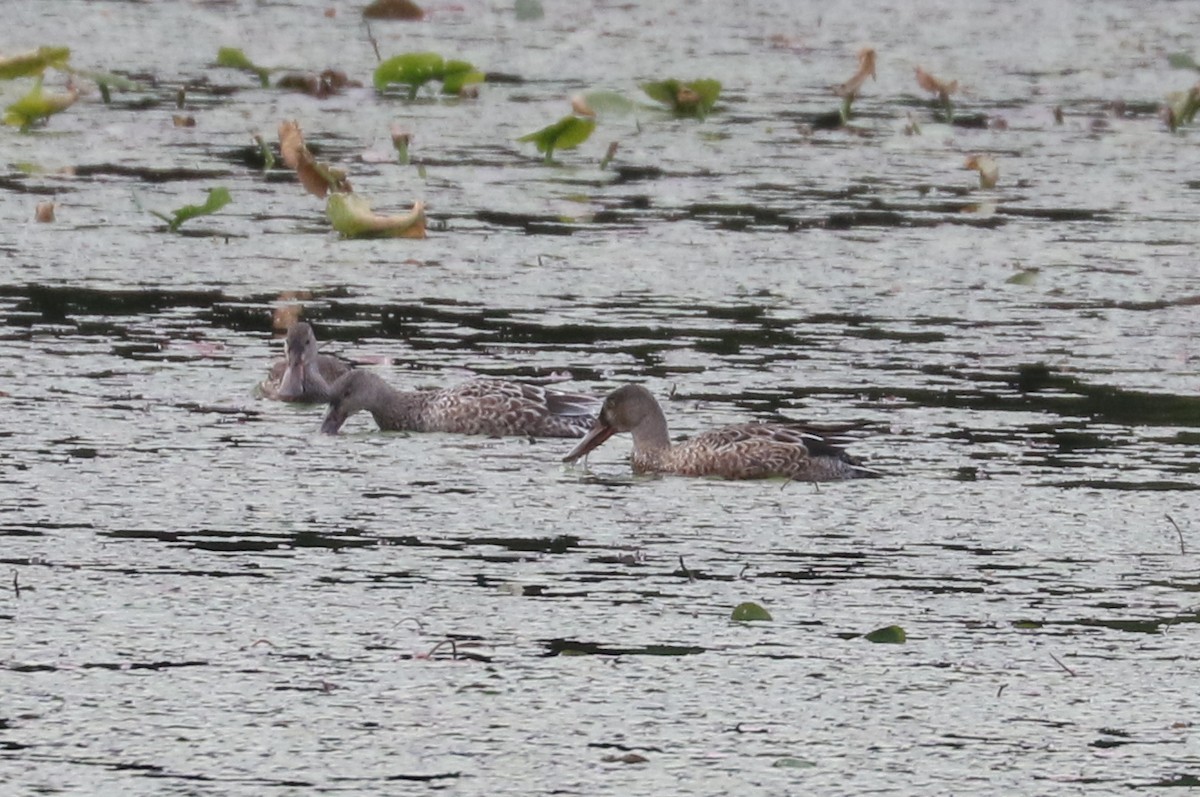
{"x":793,"y":763}
{"x":1182,"y":61}
{"x":1182,"y":107}
{"x":696,"y":98}
{"x":529,"y":9}
{"x":866,"y":69}
{"x":393,"y":9}
{"x":234,"y":58}
{"x":409,"y":69}
{"x":44,"y":212}
{"x":352,"y":216}
{"x":317,"y":178}
{"x":34,"y":62}
{"x":609,"y":103}
{"x":37,"y":105}
{"x":941,"y":88}
{"x":890,"y":635}
{"x":750,"y":612}
{"x":989,"y":170}
{"x":848,"y":91}
{"x":567,"y":133}
{"x":457,"y":74}
{"x":1027,"y":276}
{"x":217,"y":199}
{"x":118,"y":82}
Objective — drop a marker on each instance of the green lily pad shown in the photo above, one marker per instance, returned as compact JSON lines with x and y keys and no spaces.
{"x":750,"y":612}
{"x":416,"y":69}
{"x":696,"y":98}
{"x":34,"y":62}
{"x":457,"y":74}
{"x":889,"y":635}
{"x":233,"y":58}
{"x":37,"y":105}
{"x":217,"y":199}
{"x":567,"y":133}
{"x":351,"y":215}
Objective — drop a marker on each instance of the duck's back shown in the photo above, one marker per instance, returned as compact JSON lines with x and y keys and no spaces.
{"x":500,"y":407}
{"x":759,"y":451}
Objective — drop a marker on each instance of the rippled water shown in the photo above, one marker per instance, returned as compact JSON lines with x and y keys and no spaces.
{"x":204,"y":596}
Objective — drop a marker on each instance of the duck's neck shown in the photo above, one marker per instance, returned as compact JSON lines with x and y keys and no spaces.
{"x":398,"y":410}
{"x":650,"y":437}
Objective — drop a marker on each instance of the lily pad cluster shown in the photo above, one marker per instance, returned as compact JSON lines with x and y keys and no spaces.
{"x":694,"y":99}
{"x":37,"y":105}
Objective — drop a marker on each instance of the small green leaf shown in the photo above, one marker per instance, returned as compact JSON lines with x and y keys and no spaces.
{"x":34,"y":62}
{"x":696,"y":98}
{"x":529,"y":9}
{"x":234,"y":58}
{"x":118,"y":82}
{"x":351,"y":215}
{"x":890,"y":635}
{"x":1182,"y":61}
{"x":217,"y":199}
{"x":457,"y":74}
{"x":1027,"y":276}
{"x":37,"y":105}
{"x":566,"y":133}
{"x":409,"y":69}
{"x":750,"y":612}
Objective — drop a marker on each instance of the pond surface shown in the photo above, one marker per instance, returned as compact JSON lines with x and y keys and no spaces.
{"x":205,"y":596}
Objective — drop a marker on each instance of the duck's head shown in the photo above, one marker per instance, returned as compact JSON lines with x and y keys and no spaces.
{"x":353,"y":391}
{"x":625,"y":410}
{"x":299,"y":351}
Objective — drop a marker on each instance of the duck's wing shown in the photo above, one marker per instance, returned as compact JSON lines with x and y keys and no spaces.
{"x":500,"y":407}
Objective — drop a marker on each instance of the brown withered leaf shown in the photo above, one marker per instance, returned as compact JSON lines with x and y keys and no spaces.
{"x":44,"y":212}
{"x":317,"y":178}
{"x":989,"y":170}
{"x":935,"y":86}
{"x":866,"y":69}
{"x":393,"y":9}
{"x":286,"y":313}
{"x":329,"y":82}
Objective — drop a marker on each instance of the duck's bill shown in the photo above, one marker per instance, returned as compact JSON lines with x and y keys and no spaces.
{"x":291,"y":385}
{"x":333,"y":421}
{"x":593,"y":439}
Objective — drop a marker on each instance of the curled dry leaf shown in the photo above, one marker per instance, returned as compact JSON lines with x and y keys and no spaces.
{"x":317,"y":178}
{"x":352,"y":216}
{"x":866,"y":69}
{"x":934,"y":86}
{"x":287,"y":312}
{"x":329,"y":82}
{"x":579,"y":105}
{"x":180,"y":120}
{"x":44,"y":212}
{"x":989,"y":170}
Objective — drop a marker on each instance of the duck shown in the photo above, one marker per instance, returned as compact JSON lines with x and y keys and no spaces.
{"x":304,"y":374}
{"x":493,"y":407}
{"x":738,"y":451}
